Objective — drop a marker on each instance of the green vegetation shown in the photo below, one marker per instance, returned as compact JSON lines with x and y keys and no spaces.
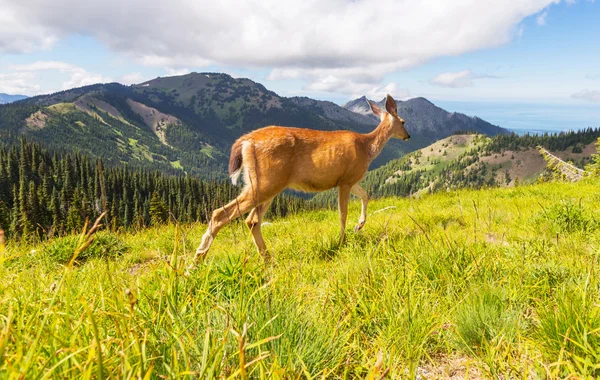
{"x":472,"y":283}
{"x":472,"y":161}
{"x":200,"y":115}
{"x":594,"y":167}
{"x":97,"y":134}
{"x":177,"y":165}
{"x":44,"y":195}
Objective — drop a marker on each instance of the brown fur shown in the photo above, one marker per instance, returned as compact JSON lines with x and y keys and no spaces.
{"x":235,"y":158}
{"x":275,"y":158}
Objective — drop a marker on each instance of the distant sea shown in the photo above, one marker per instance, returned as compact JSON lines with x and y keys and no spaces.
{"x":532,"y":118}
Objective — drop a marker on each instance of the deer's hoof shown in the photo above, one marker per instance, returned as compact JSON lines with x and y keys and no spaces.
{"x":359,"y":227}
{"x":200,"y":255}
{"x":267,"y":258}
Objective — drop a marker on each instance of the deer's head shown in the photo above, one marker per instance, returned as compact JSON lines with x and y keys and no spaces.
{"x":390,"y":115}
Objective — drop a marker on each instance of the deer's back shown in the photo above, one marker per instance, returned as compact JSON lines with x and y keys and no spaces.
{"x":308,"y":159}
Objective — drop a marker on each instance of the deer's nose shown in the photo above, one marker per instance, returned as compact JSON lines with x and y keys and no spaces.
{"x":407,"y":138}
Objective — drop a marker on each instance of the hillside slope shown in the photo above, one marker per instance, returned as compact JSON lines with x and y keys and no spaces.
{"x":468,"y":284}
{"x":189,"y":122}
{"x":471,"y":160}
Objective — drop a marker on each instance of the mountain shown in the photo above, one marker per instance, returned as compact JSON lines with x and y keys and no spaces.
{"x":334,"y":112}
{"x":425,"y":118}
{"x":361,"y":107}
{"x":7,"y":98}
{"x":189,"y":122}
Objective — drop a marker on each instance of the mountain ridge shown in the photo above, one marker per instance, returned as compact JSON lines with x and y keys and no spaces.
{"x":8,"y":98}
{"x":439,"y":118}
{"x":190,"y":121}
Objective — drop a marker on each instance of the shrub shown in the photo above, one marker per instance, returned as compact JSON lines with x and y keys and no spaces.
{"x":105,"y":245}
{"x":485,"y":315}
{"x":570,"y":331}
{"x":569,"y":217}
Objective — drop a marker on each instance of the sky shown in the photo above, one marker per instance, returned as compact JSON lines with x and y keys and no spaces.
{"x":481,"y":57}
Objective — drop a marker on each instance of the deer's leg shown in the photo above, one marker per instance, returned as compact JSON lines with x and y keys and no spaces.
{"x":364,"y":197}
{"x":254,"y":222}
{"x":343,"y":197}
{"x":220,"y":217}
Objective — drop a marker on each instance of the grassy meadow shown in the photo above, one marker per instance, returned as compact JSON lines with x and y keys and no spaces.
{"x":496,"y":283}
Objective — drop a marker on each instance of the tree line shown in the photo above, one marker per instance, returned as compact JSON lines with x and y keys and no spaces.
{"x":45,"y":194}
{"x":551,"y":141}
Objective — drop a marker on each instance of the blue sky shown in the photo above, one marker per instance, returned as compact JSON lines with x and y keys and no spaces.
{"x":479,"y":57}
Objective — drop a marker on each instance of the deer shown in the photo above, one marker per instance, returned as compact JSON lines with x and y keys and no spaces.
{"x":274,"y":158}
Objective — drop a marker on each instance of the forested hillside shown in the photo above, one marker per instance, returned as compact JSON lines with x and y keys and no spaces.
{"x":475,"y":161}
{"x":187,"y":123}
{"x":44,"y":195}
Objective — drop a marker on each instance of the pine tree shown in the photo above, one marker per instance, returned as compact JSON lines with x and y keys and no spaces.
{"x":35,"y":216}
{"x":56,"y":212}
{"x":158,"y":210}
{"x":15,"y":227}
{"x":74,"y":215}
{"x":4,"y":216}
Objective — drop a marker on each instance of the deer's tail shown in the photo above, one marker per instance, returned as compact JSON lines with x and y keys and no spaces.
{"x":235,"y":161}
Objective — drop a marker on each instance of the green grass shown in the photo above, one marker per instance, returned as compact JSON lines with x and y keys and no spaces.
{"x":210,"y":151}
{"x":139,"y":151}
{"x":475,"y":284}
{"x":62,"y":107}
{"x":176,"y":165}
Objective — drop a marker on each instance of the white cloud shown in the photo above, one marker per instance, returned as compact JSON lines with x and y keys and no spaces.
{"x":131,"y":78}
{"x":541,"y":19}
{"x":360,"y":38}
{"x":381,"y":92}
{"x":592,"y":76}
{"x":457,"y":79}
{"x":78,"y":76}
{"x":44,"y":65}
{"x":18,"y":83}
{"x":182,"y":71}
{"x":17,"y":35}
{"x":588,"y":95}
{"x":350,"y":81}
{"x":355,"y":90}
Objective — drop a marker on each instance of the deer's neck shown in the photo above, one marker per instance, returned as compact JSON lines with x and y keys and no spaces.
{"x":379,"y":137}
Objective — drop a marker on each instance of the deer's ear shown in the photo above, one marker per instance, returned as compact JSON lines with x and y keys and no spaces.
{"x":390,"y":105}
{"x":376,"y":110}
